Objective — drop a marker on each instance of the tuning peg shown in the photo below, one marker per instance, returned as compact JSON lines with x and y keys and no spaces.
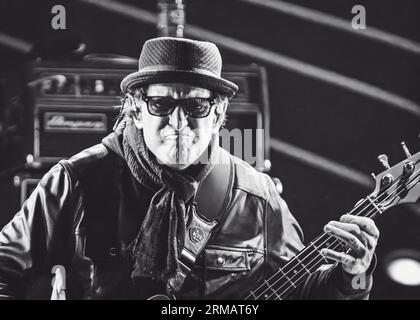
{"x":383,"y":159}
{"x":405,"y":149}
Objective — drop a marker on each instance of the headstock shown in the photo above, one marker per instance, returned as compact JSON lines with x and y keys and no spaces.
{"x":398,"y":184}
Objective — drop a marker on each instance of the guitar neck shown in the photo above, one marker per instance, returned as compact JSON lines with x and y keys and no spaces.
{"x":309,"y":259}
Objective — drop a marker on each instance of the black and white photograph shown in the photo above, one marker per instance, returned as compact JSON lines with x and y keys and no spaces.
{"x":223,"y":150}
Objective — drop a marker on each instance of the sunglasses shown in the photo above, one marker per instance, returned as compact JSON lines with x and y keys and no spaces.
{"x":193,"y":107}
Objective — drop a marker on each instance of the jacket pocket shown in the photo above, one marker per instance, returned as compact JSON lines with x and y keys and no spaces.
{"x":227,"y":259}
{"x":227,"y":271}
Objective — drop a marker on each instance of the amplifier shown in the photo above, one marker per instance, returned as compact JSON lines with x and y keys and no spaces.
{"x":74,"y":105}
{"x":62,"y":129}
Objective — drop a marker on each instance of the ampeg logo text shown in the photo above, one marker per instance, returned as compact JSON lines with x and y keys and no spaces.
{"x":71,"y":122}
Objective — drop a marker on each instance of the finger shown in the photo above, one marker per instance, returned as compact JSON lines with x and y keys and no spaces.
{"x":353,"y":229}
{"x":349,"y":227}
{"x":368,"y":241}
{"x":342,"y":257}
{"x":371,"y":242}
{"x":349,"y":239}
{"x":366,"y":224}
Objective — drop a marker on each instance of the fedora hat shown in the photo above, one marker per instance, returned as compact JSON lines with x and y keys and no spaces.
{"x":166,"y":59}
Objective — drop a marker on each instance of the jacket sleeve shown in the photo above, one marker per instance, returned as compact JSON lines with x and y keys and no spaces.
{"x":25,"y":242}
{"x":285,"y":240}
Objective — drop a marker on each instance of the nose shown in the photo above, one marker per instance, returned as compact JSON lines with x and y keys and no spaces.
{"x":178,"y":119}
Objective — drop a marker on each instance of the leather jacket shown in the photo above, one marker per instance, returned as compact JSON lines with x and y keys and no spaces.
{"x":87,"y":210}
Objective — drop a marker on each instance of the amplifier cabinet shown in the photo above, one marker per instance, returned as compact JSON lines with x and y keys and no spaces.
{"x":64,"y":128}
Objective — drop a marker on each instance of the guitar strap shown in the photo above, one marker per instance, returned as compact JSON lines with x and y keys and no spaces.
{"x":204,"y":213}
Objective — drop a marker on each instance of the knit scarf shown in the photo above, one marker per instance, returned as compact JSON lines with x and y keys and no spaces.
{"x":161,"y":236}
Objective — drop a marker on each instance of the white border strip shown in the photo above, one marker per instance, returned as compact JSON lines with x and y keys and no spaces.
{"x":316,"y":161}
{"x":125,"y":9}
{"x":325,"y":19}
{"x":15,"y":43}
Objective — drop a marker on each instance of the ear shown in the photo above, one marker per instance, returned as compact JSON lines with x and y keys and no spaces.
{"x":220,"y":112}
{"x":136,"y":113}
{"x":137,"y":119}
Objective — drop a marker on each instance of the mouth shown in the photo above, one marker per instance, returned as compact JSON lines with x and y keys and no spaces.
{"x":171,"y":136}
{"x":175,"y":136}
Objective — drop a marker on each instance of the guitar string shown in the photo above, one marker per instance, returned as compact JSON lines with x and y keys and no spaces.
{"x":319,"y":260}
{"x":319,"y":238}
{"x":374,"y":212}
{"x":284,"y":275}
{"x":316,"y":265}
{"x":303,"y":251}
{"x":356,"y":207}
{"x":336,"y":243}
{"x":339,"y":242}
{"x":311,"y":265}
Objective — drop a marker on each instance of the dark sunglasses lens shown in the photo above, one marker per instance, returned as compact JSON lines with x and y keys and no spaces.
{"x":197,"y":107}
{"x":160,"y":106}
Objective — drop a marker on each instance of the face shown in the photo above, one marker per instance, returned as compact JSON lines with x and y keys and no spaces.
{"x":177,"y":140}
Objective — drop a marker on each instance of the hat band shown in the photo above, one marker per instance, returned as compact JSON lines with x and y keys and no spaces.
{"x":162,"y":67}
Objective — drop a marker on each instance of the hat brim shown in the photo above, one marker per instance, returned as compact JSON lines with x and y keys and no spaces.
{"x":213,"y":83}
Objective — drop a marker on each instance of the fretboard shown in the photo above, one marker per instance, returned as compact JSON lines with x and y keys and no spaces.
{"x":308,"y":260}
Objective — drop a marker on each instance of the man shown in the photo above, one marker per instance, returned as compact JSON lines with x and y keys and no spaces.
{"x":159,"y":208}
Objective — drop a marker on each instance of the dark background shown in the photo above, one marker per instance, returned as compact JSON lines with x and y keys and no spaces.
{"x":338,"y":124}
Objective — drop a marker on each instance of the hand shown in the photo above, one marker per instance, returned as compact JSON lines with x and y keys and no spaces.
{"x":361,"y":235}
